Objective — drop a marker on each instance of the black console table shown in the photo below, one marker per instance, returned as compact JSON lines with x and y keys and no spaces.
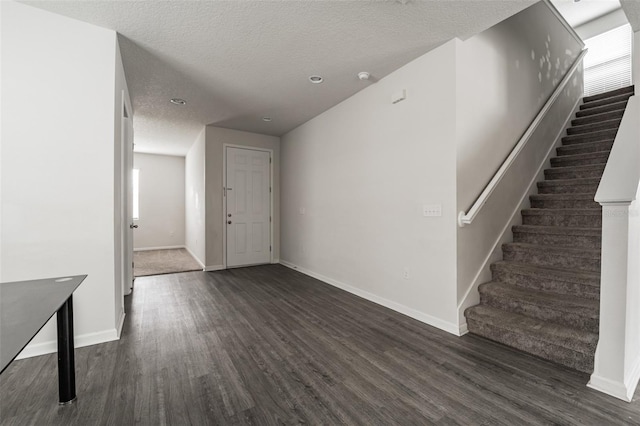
{"x":25,"y":307}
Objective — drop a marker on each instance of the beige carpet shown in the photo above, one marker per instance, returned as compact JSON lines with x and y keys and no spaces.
{"x":157,"y":262}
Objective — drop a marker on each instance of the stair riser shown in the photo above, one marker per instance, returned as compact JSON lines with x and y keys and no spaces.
{"x":572,"y":359}
{"x":597,"y":118}
{"x":589,"y":188}
{"x":607,"y":101}
{"x":590,"y":137}
{"x":584,"y":148}
{"x":571,"y":220}
{"x":558,"y":240}
{"x":554,"y":174}
{"x":547,"y":284}
{"x":622,"y":91}
{"x":545,"y":313}
{"x":564,"y":204}
{"x":587,"y":128}
{"x":600,"y":110}
{"x":542,"y":258}
{"x":568,"y":161}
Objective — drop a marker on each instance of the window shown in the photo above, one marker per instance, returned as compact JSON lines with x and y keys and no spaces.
{"x":607,"y":65}
{"x":136,"y":194}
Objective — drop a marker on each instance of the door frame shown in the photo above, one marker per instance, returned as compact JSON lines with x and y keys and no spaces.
{"x":224,"y":198}
{"x":126,"y":158}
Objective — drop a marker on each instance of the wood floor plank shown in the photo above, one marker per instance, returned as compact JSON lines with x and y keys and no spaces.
{"x":267,"y":345}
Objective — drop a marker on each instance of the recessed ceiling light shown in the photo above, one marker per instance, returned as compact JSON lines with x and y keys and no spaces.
{"x":267,"y":119}
{"x":178,"y":101}
{"x":363,"y":75}
{"x":315,"y":79}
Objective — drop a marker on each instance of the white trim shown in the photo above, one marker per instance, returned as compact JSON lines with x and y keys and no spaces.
{"x":195,"y":257}
{"x":275,"y":261}
{"x":224,"y":198}
{"x":467,"y":219}
{"x":631,"y":382}
{"x":158,"y":248}
{"x":120,"y":324}
{"x":214,"y":268}
{"x":80,"y":341}
{"x":564,"y":22}
{"x":410,"y":312}
{"x":523,"y":200}
{"x":611,"y":387}
{"x":463,"y":329}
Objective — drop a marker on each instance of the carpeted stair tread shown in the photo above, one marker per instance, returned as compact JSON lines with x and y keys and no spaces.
{"x":579,"y":185}
{"x":562,"y":309}
{"x":548,"y":273}
{"x":597,"y":118}
{"x":583,"y":148}
{"x":569,"y":217}
{"x":610,"y":93}
{"x":606,"y":101}
{"x":597,"y":136}
{"x":602,"y":109}
{"x":586,"y":128}
{"x":558,"y":230}
{"x":563,"y":201}
{"x":554,"y":342}
{"x":559,"y":236}
{"x":575,"y":172}
{"x":543,"y":255}
{"x":599,"y":157}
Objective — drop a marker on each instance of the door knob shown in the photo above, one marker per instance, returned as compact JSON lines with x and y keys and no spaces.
{"x":229,"y":222}
{"x":229,"y":215}
{"x":132,"y":226}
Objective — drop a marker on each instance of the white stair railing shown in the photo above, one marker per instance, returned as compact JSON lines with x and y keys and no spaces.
{"x":467,"y":218}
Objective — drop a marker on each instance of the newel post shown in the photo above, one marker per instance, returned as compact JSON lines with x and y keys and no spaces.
{"x":617,"y":366}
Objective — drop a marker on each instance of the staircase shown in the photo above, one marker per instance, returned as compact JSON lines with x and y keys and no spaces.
{"x":544,"y":296}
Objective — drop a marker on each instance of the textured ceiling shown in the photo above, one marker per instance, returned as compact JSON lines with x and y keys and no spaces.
{"x":583,"y":11}
{"x":237,"y":61}
{"x":632,"y":10}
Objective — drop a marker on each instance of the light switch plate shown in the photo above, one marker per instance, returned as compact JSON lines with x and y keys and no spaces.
{"x":432,"y":210}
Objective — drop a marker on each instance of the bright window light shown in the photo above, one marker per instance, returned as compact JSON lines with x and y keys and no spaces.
{"x":136,"y":194}
{"x":607,"y":65}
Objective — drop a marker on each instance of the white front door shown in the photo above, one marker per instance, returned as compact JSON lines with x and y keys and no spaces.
{"x":248,"y":192}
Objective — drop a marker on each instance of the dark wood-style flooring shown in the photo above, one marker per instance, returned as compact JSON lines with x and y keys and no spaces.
{"x":267,"y":345}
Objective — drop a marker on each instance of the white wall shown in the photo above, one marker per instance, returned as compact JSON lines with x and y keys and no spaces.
{"x":636,"y":59}
{"x":57,"y":166}
{"x":195,"y":199}
{"x":605,"y":23}
{"x":354,"y":182}
{"x":162,"y":201}
{"x":504,"y":77}
{"x":216,"y":138}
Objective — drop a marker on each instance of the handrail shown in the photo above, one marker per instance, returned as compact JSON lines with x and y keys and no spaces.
{"x":467,"y":218}
{"x":619,"y":183}
{"x":564,"y":22}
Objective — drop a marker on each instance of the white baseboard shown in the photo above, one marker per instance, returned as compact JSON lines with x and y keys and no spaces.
{"x":214,"y":268}
{"x":631,"y":381}
{"x":158,"y":248}
{"x":410,"y":312}
{"x":120,"y":324}
{"x":195,"y":257}
{"x":275,"y":261}
{"x":79,"y":342}
{"x":610,"y":387}
{"x":463,"y":329}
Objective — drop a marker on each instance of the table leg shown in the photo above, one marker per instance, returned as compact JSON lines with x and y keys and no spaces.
{"x":66,"y":362}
